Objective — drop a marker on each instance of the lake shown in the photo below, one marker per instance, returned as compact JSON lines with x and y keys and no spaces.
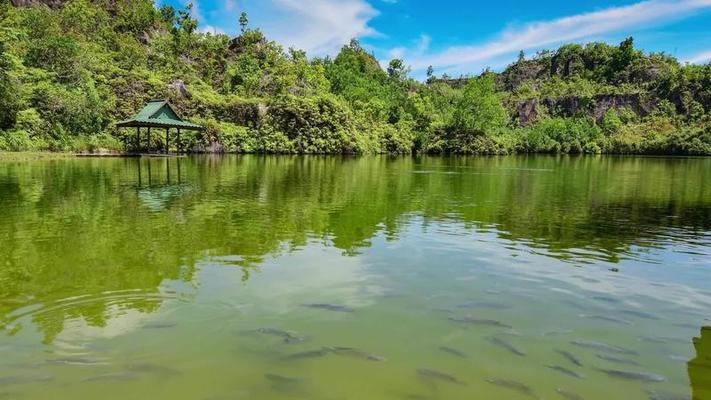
{"x":260,"y":277}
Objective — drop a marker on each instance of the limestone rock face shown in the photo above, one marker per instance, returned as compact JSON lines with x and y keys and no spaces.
{"x":529,"y":110}
{"x":179,"y":87}
{"x":53,"y":4}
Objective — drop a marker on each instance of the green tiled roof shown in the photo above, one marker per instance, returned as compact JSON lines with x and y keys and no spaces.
{"x":159,"y":114}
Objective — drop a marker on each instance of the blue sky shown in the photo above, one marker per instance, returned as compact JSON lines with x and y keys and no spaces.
{"x":459,"y":37}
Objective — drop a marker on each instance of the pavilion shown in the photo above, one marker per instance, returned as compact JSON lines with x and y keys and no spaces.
{"x":158,"y":114}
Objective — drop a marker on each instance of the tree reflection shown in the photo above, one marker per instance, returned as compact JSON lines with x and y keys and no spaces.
{"x":700,"y":366}
{"x":87,"y":227}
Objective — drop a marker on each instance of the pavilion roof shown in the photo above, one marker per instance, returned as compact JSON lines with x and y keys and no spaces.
{"x":158,"y":114}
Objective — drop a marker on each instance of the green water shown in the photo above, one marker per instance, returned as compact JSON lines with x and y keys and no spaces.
{"x":446,"y":278}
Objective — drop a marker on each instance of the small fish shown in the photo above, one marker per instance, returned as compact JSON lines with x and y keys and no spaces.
{"x":639,"y":314}
{"x":566,"y":371}
{"x":652,"y":339}
{"x":117,"y":376}
{"x":687,"y":325}
{"x":603,"y":347}
{"x":356,"y":353}
{"x":330,"y":307}
{"x":635,"y":376}
{"x":438,"y":375}
{"x":452,"y":351}
{"x":568,"y":395}
{"x":606,"y":299}
{"x":616,"y":359}
{"x":289,"y":337}
{"x":506,"y":345}
{"x":558,"y":332}
{"x":159,"y":325}
{"x":307,"y":354}
{"x":570,"y":357}
{"x":76,"y":361}
{"x":607,"y":319}
{"x":153,"y":369}
{"x":280,"y":379}
{"x":656,"y":395}
{"x":480,"y":321}
{"x":21,"y":380}
{"x":513,"y":385}
{"x":484,"y":304}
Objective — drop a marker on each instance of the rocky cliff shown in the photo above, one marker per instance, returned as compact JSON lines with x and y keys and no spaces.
{"x":53,"y":4}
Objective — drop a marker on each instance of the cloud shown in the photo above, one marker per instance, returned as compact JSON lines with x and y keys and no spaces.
{"x":577,"y":27}
{"x":321,"y":26}
{"x":419,"y":48}
{"x":211,"y":29}
{"x":230,"y":5}
{"x":701,"y":58}
{"x":397,"y":52}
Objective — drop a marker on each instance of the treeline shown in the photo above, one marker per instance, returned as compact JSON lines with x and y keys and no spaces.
{"x":67,"y":75}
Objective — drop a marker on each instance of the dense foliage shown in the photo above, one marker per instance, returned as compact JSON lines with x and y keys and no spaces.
{"x":67,"y":75}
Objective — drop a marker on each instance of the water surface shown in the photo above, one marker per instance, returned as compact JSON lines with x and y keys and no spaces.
{"x":356,"y":278}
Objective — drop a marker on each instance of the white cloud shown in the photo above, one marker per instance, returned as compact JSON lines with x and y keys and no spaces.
{"x":230,"y":5}
{"x":321,"y":26}
{"x":419,"y":48}
{"x":211,"y":29}
{"x":397,"y":52}
{"x":571,"y":28}
{"x":423,"y":44}
{"x":701,"y":58}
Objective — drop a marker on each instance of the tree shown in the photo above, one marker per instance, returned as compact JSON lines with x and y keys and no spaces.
{"x":8,"y":95}
{"x":167,"y":14}
{"x":625,"y":54}
{"x":187,"y":23}
{"x":243,"y":22}
{"x":521,"y":56}
{"x":479,"y":111}
{"x":397,"y":69}
{"x":430,"y":74}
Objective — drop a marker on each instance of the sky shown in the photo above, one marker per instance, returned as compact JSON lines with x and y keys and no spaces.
{"x":465,"y":37}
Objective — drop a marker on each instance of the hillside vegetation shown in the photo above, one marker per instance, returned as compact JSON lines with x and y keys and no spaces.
{"x":67,"y":74}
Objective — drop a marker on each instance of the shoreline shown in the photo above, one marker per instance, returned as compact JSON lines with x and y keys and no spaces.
{"x":49,"y":155}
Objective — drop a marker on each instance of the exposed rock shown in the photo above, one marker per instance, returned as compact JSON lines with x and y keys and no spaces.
{"x":632,"y":102}
{"x":179,"y":87}
{"x":53,"y":4}
{"x":522,"y":71}
{"x":529,"y":110}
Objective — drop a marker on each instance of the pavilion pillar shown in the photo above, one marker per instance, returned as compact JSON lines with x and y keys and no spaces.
{"x":177,"y":143}
{"x":167,"y":140}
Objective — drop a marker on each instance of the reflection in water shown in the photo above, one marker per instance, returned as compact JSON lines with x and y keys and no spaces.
{"x":700,"y":366}
{"x":505,"y":258}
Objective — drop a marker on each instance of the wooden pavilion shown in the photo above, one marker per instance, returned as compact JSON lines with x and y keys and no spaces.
{"x":158,"y":114}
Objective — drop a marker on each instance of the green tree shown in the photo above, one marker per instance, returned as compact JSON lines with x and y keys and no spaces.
{"x":397,"y":69}
{"x":167,"y":14}
{"x":186,"y":22}
{"x":243,"y":21}
{"x":9,"y":103}
{"x":625,"y":54}
{"x":479,"y":111}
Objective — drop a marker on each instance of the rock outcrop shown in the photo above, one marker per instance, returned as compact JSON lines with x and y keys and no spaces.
{"x":53,"y":4}
{"x":529,"y":110}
